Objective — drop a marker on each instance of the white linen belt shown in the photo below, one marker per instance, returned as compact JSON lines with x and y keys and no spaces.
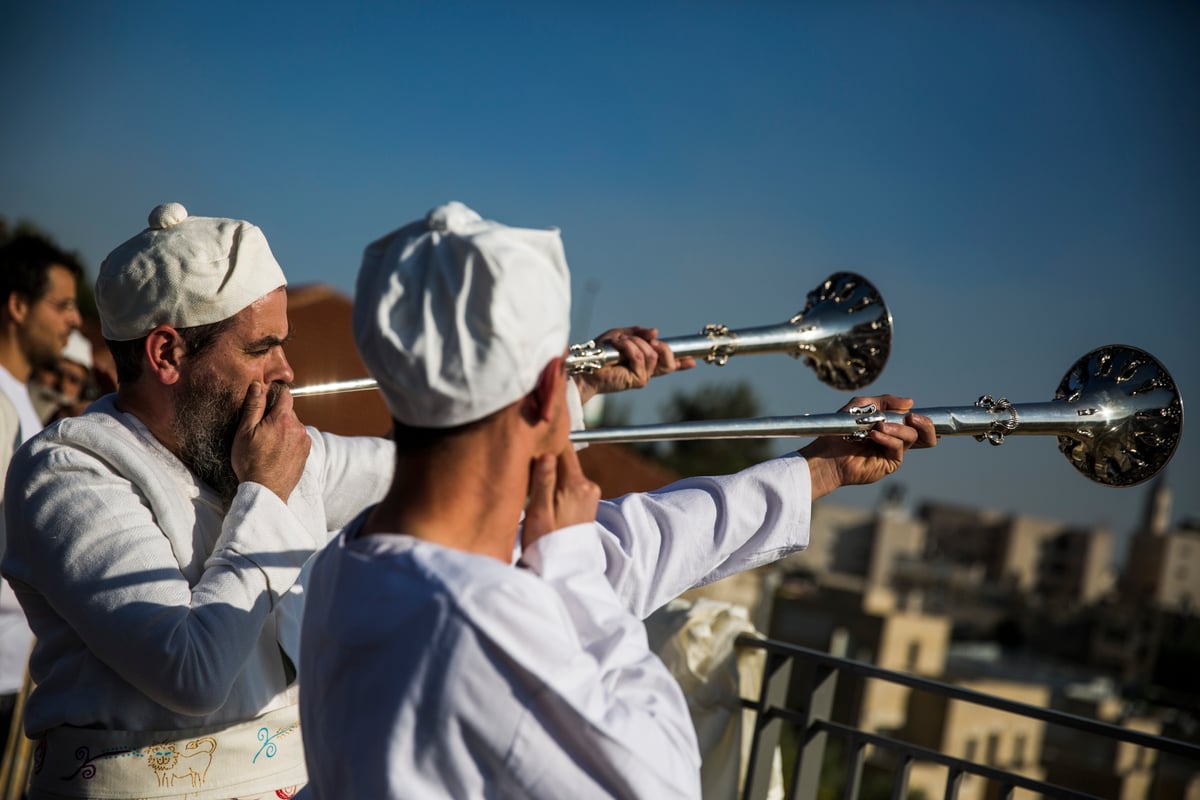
{"x":215,"y":763}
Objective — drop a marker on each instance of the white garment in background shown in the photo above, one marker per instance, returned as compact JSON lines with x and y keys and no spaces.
{"x":18,"y":422}
{"x":18,"y":393}
{"x":434,"y":673}
{"x":154,"y":606}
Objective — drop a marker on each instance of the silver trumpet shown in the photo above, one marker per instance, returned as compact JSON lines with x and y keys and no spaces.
{"x":844,"y":333}
{"x":1117,"y":414}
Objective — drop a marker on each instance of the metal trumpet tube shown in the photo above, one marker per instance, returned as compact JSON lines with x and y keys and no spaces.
{"x":843,"y":333}
{"x":336,"y":387}
{"x":1117,"y":414}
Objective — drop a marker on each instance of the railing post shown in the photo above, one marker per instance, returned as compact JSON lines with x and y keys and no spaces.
{"x":817,"y":706}
{"x":777,"y":675}
{"x":953,"y":782}
{"x":854,"y":769}
{"x":900,"y":785}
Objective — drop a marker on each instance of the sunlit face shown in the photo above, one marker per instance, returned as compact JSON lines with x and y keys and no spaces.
{"x":252,"y":348}
{"x":50,"y":319}
{"x":214,"y":386}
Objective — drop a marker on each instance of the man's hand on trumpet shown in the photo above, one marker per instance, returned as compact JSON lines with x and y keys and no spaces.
{"x":643,"y":356}
{"x":835,"y":461}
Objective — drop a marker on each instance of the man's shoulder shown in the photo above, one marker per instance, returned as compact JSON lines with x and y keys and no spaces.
{"x":465,"y":578}
{"x":96,"y":434}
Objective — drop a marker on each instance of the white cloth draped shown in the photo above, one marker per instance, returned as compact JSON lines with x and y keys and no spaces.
{"x":154,"y":607}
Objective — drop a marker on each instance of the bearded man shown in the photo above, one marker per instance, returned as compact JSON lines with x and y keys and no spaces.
{"x":157,"y":542}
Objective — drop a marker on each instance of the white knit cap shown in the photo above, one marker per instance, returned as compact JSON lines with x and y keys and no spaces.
{"x":78,"y":350}
{"x":456,"y":316}
{"x":183,"y":271}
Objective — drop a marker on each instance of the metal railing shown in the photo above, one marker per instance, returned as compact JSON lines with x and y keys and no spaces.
{"x":811,"y":713}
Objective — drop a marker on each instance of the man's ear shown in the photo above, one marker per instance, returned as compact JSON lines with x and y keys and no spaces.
{"x":165,"y":352}
{"x":550,"y":387}
{"x":17,"y":307}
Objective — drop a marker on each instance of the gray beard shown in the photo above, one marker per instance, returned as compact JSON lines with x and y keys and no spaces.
{"x":204,"y":424}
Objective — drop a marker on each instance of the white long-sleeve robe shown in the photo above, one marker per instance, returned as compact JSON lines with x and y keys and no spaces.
{"x":154,"y":607}
{"x":434,"y":673}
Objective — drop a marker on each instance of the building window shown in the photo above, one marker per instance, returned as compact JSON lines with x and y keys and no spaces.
{"x":969,"y":750}
{"x":1018,"y":759}
{"x":993,"y":749}
{"x":913,"y":655}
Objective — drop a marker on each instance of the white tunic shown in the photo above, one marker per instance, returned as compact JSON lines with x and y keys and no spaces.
{"x":434,"y":673}
{"x":18,"y":422}
{"x":155,"y":608}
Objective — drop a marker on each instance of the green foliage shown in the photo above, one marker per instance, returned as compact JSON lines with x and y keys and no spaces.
{"x":713,"y":456}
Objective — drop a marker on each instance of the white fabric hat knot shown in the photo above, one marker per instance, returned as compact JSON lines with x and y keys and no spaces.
{"x":453,"y":216}
{"x":166,"y":215}
{"x":456,"y":316}
{"x":183,"y":271}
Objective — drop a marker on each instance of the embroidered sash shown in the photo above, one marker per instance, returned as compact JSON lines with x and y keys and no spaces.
{"x":214,"y":763}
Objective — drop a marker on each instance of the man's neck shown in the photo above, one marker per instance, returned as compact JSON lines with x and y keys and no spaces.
{"x":152,"y":409}
{"x":13,"y":358}
{"x":467,"y":496}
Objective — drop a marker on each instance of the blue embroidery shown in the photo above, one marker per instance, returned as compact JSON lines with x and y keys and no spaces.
{"x":269,"y":746}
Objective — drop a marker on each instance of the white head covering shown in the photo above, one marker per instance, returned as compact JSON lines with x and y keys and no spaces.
{"x":456,"y":316}
{"x":78,"y":350}
{"x":183,"y":271}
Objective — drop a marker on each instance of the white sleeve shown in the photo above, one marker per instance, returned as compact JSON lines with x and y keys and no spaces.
{"x":89,"y":542}
{"x":611,"y":718}
{"x":356,"y":473}
{"x":698,"y":530}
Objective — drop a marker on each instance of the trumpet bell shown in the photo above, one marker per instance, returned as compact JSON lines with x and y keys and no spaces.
{"x":853,"y":328}
{"x":1132,"y":446}
{"x":843,"y":333}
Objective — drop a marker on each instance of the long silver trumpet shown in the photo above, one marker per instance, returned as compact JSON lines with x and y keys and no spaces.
{"x":844,"y":333}
{"x":1117,"y":414}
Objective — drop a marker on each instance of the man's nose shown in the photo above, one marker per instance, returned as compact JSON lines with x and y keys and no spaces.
{"x":281,"y":370}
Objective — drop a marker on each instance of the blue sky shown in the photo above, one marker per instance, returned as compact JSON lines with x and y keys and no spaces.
{"x":1021,"y":180}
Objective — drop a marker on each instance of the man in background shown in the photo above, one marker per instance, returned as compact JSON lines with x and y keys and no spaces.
{"x":63,"y":388}
{"x":37,"y":315}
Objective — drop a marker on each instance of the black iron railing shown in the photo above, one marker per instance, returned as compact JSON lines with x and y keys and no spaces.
{"x":811,"y":710}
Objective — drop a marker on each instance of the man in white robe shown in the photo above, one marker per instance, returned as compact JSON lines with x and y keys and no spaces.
{"x":156,"y":542}
{"x":437,"y":665}
{"x":38,"y":313}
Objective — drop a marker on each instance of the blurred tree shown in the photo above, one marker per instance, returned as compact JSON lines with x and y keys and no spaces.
{"x":713,"y":456}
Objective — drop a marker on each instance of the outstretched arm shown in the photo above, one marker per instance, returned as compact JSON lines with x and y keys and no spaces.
{"x":698,"y":530}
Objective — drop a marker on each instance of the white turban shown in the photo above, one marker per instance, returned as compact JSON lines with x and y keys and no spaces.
{"x":183,"y":271}
{"x":456,"y":316}
{"x":78,"y":350}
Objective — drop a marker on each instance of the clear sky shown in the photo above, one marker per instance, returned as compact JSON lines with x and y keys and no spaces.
{"x":1020,"y":180}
